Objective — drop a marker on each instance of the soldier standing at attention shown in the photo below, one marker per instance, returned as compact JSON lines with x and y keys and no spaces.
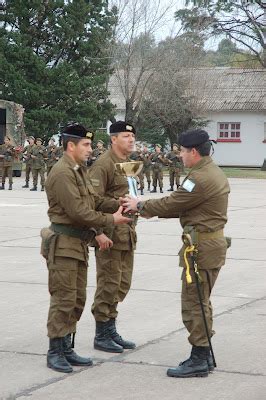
{"x":72,"y":204}
{"x":100,"y":149}
{"x":137,"y":156}
{"x":52,"y":155}
{"x":158,"y":161}
{"x":175,"y":166}
{"x":146,"y":165}
{"x":38,"y":155}
{"x":7,"y":152}
{"x":26,"y":152}
{"x":201,"y":205}
{"x":114,"y":265}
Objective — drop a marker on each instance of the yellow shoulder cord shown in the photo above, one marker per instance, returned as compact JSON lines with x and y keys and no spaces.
{"x":190,"y":249}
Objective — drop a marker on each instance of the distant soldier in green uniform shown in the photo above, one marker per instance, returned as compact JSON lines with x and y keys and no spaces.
{"x":26,"y":154}
{"x":100,"y":149}
{"x":7,"y":153}
{"x":52,"y":155}
{"x":146,"y":165}
{"x":38,"y":155}
{"x":72,"y":203}
{"x":138,"y":156}
{"x":175,"y":166}
{"x":114,"y":265}
{"x":158,"y":161}
{"x":201,"y":205}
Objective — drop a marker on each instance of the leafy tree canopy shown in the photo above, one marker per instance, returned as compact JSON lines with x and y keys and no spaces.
{"x":241,"y":20}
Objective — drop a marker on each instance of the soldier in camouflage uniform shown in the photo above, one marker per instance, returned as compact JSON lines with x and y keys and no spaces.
{"x":26,"y":154}
{"x":146,"y":165}
{"x":158,"y":161}
{"x":38,"y":155}
{"x":100,"y":149}
{"x":138,"y":156}
{"x":52,"y":155}
{"x":7,"y":152}
{"x":175,"y":166}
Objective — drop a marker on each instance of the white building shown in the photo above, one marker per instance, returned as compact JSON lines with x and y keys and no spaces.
{"x":233,"y":102}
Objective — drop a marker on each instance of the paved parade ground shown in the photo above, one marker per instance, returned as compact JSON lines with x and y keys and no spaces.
{"x":150,"y":315}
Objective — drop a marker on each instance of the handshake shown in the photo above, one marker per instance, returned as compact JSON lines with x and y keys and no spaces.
{"x":130,"y":204}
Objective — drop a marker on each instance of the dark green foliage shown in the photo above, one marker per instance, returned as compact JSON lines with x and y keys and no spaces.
{"x":54,"y":61}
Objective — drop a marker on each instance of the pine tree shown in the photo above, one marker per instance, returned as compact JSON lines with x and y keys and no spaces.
{"x":54,"y":61}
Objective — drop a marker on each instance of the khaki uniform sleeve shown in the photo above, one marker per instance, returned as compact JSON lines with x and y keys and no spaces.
{"x":98,"y":176}
{"x":171,"y":206}
{"x":75,"y":204}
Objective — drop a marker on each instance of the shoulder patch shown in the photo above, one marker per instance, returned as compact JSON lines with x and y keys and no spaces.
{"x":188,"y":185}
{"x":94,"y":182}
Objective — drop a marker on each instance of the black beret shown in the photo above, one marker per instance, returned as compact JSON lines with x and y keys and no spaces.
{"x":193,"y":138}
{"x":121,"y":126}
{"x":78,"y":131}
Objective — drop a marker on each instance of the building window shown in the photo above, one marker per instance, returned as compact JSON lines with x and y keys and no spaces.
{"x":228,"y":132}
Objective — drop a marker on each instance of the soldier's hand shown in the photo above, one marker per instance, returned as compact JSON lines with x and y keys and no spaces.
{"x":119,"y":218}
{"x":130,"y":204}
{"x":103,"y":241}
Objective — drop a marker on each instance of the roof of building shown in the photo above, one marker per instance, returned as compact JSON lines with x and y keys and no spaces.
{"x":214,"y":89}
{"x":230,"y":89}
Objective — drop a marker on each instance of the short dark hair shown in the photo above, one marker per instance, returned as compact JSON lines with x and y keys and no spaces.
{"x":67,"y":139}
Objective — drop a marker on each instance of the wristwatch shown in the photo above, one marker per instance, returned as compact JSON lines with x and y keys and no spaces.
{"x":140,"y":206}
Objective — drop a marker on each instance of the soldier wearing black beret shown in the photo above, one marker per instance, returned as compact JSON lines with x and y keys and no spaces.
{"x":115,"y":247}
{"x":74,"y":221}
{"x":200,"y":203}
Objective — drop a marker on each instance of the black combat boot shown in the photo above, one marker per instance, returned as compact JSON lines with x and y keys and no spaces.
{"x":171,"y":189}
{"x":26,"y":185}
{"x":71,"y":356}
{"x":10,"y":186}
{"x":103,"y":340}
{"x":42,"y":189}
{"x":196,"y":365}
{"x":2,"y":187}
{"x":33,"y":189}
{"x":154,"y":189}
{"x":161,"y":190}
{"x":141,"y":192}
{"x":149,"y":186}
{"x":117,"y":338}
{"x":210,"y":362}
{"x":55,"y":356}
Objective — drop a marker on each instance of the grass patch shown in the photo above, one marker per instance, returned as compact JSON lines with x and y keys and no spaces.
{"x":245,"y":173}
{"x":252,"y":173}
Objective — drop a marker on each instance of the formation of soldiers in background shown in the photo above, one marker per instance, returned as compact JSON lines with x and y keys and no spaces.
{"x":39,"y":159}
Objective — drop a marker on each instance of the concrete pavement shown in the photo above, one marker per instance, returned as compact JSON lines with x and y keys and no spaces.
{"x":150,"y":315}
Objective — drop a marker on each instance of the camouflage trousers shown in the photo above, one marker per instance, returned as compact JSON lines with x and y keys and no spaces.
{"x":141,"y":176}
{"x":191,"y":310}
{"x":7,"y":171}
{"x":67,"y":287}
{"x":174,"y":176}
{"x":35,"y":174}
{"x":157,"y":175}
{"x":28,"y":171}
{"x":114,"y":275}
